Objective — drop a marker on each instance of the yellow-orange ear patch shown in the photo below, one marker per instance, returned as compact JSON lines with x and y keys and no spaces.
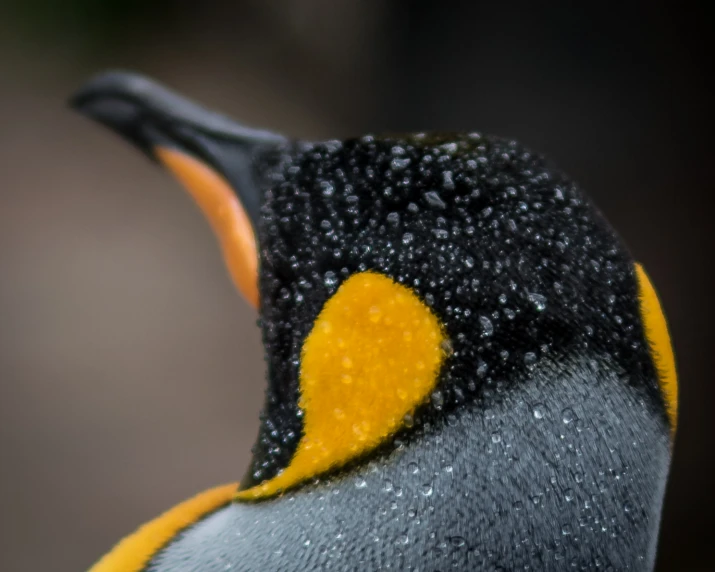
{"x":135,"y":551}
{"x":661,"y":349}
{"x":225,"y":214}
{"x":372,"y":357}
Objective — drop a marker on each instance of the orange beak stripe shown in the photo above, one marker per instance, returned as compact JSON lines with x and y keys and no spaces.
{"x":225,"y":214}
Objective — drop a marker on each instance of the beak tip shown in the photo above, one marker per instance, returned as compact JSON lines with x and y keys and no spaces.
{"x":114,"y":99}
{"x":114,"y":83}
{"x":148,"y":115}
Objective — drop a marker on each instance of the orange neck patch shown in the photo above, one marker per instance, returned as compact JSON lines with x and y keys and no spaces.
{"x":661,"y":348}
{"x":135,"y":551}
{"x":225,"y":214}
{"x":372,"y":357}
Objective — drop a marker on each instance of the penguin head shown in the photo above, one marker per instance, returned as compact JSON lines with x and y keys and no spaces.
{"x":399,"y":278}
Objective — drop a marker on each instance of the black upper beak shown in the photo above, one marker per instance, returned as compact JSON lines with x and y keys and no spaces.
{"x":150,"y":116}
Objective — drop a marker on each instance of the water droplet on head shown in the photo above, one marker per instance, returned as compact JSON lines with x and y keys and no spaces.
{"x":537,"y":300}
{"x":327,"y":188}
{"x":482,"y":369}
{"x":487,"y":326}
{"x":449,"y":148}
{"x":400,"y":164}
{"x":446,"y":346}
{"x":434,"y":200}
{"x":530,"y":358}
{"x":330,"y":279}
{"x":448,"y":180}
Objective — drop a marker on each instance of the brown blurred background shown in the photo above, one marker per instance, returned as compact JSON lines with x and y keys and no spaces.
{"x":131,"y":373}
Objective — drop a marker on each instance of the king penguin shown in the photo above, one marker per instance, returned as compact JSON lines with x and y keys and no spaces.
{"x":466,"y":367}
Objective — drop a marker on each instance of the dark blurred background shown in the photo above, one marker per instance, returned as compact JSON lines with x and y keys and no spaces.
{"x":131,"y":373}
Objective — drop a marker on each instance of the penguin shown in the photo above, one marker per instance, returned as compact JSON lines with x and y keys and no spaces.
{"x":466,"y":368}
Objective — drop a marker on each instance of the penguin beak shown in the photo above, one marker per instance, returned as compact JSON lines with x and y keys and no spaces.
{"x":210,"y":154}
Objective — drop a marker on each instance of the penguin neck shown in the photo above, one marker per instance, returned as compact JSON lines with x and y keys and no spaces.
{"x":565,"y":469}
{"x":569,"y":461}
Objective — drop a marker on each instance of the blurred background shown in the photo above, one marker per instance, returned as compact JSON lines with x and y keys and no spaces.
{"x":130,"y":371}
